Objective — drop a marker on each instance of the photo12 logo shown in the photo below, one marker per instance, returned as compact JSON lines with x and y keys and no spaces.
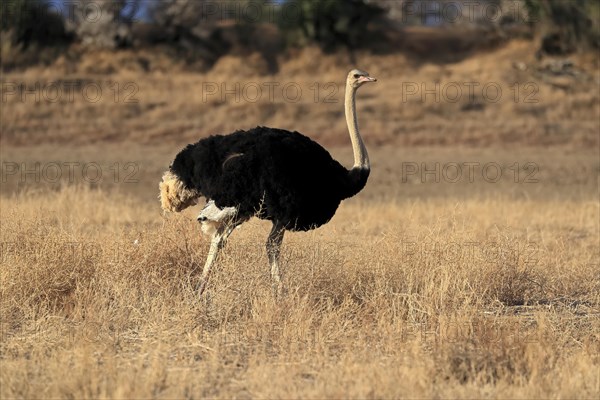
{"x":90,"y":251}
{"x":454,"y":92}
{"x":69,"y":91}
{"x":489,"y":252}
{"x":431,"y":12}
{"x":270,"y":91}
{"x":68,"y":172}
{"x":469,"y":172}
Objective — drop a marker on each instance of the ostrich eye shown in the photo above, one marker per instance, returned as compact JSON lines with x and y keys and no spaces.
{"x":356,"y":76}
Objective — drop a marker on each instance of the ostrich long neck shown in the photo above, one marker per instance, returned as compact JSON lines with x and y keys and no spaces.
{"x":361,"y":158}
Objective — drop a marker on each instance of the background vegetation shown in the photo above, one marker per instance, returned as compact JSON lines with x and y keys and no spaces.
{"x":207,"y":30}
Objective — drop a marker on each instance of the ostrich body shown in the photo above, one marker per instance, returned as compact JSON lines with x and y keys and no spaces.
{"x":274,"y":174}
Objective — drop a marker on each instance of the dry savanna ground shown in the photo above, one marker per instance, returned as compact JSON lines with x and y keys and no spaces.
{"x":468,"y":267}
{"x":436,"y":289}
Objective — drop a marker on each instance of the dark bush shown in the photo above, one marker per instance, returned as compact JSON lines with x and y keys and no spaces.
{"x":329,"y":23}
{"x":26,"y":22}
{"x":565,"y":26}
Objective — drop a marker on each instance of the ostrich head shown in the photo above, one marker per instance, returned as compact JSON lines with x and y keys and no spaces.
{"x":357,"y":78}
{"x":174,"y":195}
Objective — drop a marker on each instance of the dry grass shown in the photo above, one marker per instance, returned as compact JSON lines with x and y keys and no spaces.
{"x":176,"y":105}
{"x":484,"y":296}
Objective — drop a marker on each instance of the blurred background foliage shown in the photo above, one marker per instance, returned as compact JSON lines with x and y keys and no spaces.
{"x":201,"y":31}
{"x":566,"y":25}
{"x":329,"y":23}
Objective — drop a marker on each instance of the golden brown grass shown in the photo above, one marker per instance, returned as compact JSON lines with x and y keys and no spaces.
{"x":175,"y":105}
{"x":484,"y":295}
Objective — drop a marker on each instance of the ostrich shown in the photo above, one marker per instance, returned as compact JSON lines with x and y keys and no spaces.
{"x":273,"y":174}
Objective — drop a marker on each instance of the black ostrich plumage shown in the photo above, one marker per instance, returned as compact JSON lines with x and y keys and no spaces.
{"x":274,"y":174}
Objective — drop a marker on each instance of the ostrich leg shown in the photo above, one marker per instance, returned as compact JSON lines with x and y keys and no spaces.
{"x":218,"y":223}
{"x":273,"y":248}
{"x":219,"y":238}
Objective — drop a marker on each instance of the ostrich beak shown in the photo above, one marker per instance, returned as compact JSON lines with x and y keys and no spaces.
{"x":367,"y":79}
